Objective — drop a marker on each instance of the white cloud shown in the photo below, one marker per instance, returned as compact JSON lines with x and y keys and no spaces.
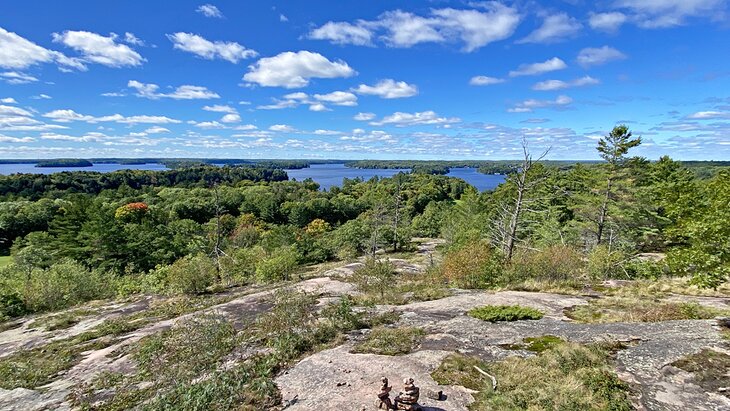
{"x":209,"y":10}
{"x":556,"y":27}
{"x":225,"y":50}
{"x":42,"y":97}
{"x":474,"y":28}
{"x":609,"y":22}
{"x":14,"y":77}
{"x":17,"y":53}
{"x":67,"y":115}
{"x":156,"y":130}
{"x":283,"y":18}
{"x":318,"y":107}
{"x":539,"y":68}
{"x":10,"y":111}
{"x":294,"y":70}
{"x":528,"y":106}
{"x":99,"y":49}
{"x":210,"y":125}
{"x":8,"y":139}
{"x":550,"y":85}
{"x":597,"y":56}
{"x":184,"y":92}
{"x":364,"y":116}
{"x":485,"y":81}
{"x":710,"y":115}
{"x":217,"y":108}
{"x":130,"y":38}
{"x":388,"y":89}
{"x":284,"y":128}
{"x":8,"y":100}
{"x":669,"y":13}
{"x":342,"y":33}
{"x":231,"y":118}
{"x":338,"y":98}
{"x":400,"y":119}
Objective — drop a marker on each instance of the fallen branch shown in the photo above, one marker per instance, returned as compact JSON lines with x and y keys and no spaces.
{"x":494,"y":380}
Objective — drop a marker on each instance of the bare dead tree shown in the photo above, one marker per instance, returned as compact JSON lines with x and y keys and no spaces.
{"x":523,"y":185}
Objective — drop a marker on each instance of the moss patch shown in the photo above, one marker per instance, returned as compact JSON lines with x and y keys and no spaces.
{"x":710,"y":369}
{"x":390,"y":341}
{"x":495,"y":313}
{"x":536,"y":344}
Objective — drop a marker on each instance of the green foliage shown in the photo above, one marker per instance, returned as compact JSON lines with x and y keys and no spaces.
{"x":496,"y":313}
{"x":553,"y":263}
{"x":474,"y":265}
{"x":190,"y":275}
{"x":604,"y":263}
{"x":567,"y":376}
{"x":278,"y":267}
{"x":376,"y":276}
{"x":390,"y":341}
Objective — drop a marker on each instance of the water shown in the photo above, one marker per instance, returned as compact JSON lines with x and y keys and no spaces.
{"x":6,"y":169}
{"x":327,"y":175}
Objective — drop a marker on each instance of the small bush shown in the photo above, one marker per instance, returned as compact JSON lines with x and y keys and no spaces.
{"x":604,"y":263}
{"x":495,"y":313}
{"x":390,"y":341}
{"x":376,"y":276}
{"x":554,"y":263}
{"x":617,"y":309}
{"x":475,"y":265}
{"x":279,"y":267}
{"x":190,"y":275}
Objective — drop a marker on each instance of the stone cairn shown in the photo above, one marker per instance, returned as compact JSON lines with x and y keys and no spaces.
{"x":406,"y":400}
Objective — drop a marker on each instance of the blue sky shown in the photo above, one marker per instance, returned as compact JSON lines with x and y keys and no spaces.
{"x":371,"y":79}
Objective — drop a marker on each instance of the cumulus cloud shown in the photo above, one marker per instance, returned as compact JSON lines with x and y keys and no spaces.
{"x":231,"y":118}
{"x":528,"y":106}
{"x":99,"y":49}
{"x":8,"y":100}
{"x":67,"y":115}
{"x":364,"y":116}
{"x":209,"y":10}
{"x":210,"y":50}
{"x":8,"y":139}
{"x":388,"y":89}
{"x":14,"y":77}
{"x":184,"y":92}
{"x":17,"y":53}
{"x":295,"y":69}
{"x":484,"y":81}
{"x":282,"y":128}
{"x":596,"y":56}
{"x":130,"y":38}
{"x":539,"y":68}
{"x":156,"y":130}
{"x":609,"y":22}
{"x":400,"y":119}
{"x":41,"y":97}
{"x":550,"y":85}
{"x":343,"y":33}
{"x":473,"y":28}
{"x":18,"y":119}
{"x":217,"y":108}
{"x":556,"y":27}
{"x":338,"y":98}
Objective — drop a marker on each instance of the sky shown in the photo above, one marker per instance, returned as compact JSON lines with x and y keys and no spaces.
{"x":362,"y":80}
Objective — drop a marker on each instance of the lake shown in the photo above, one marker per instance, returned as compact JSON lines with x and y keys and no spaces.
{"x":327,"y":175}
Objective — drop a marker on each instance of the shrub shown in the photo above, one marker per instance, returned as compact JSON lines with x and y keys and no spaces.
{"x":475,"y":265}
{"x":64,"y":284}
{"x":604,"y":263}
{"x":376,"y":276}
{"x":554,"y":263}
{"x":280,"y":266}
{"x":190,"y":275}
{"x":495,"y":313}
{"x":239,"y":266}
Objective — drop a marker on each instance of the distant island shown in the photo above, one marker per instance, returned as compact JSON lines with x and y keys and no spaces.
{"x":65,"y":162}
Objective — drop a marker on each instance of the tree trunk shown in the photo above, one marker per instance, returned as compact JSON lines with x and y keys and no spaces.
{"x":514,"y":220}
{"x":604,"y":212}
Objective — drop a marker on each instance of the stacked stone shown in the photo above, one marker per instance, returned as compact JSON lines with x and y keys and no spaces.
{"x":408,"y":399}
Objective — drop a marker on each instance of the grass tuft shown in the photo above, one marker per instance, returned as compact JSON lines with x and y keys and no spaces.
{"x":390,"y":341}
